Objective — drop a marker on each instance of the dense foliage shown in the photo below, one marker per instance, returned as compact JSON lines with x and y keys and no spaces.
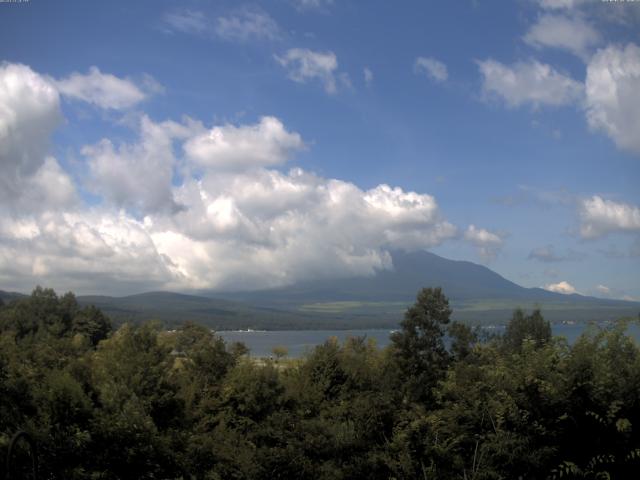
{"x":144,"y":403}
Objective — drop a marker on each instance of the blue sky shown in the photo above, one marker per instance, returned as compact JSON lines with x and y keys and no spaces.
{"x":225,"y":145}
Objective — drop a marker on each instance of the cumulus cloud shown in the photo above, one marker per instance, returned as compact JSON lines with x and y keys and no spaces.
{"x":253,"y":229}
{"x":29,"y":113}
{"x":186,"y":206}
{"x":90,"y":250}
{"x":289,"y":227}
{"x":247,"y":24}
{"x":561,"y":287}
{"x":231,"y":147}
{"x":50,"y":187}
{"x":139,"y":175}
{"x":600,"y":217}
{"x":101,"y":89}
{"x":612,"y":102}
{"x":573,"y":34}
{"x":488,"y":243}
{"x":529,"y":82}
{"x":432,"y":68}
{"x":305,"y":65}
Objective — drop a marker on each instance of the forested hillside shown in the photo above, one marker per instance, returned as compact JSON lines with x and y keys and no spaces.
{"x":144,"y":403}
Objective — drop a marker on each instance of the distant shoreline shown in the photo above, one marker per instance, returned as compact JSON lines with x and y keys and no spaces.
{"x":298,"y":342}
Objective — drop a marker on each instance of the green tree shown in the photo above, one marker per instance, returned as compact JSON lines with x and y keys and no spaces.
{"x":418,"y":348}
{"x":463,"y":338}
{"x":600,"y":437}
{"x":92,"y":323}
{"x":522,"y":326}
{"x":202,"y":363}
{"x":141,"y":415}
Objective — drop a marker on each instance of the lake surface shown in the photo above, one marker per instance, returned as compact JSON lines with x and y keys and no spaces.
{"x":299,"y":342}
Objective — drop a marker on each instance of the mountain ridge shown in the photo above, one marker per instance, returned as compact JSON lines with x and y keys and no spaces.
{"x":477,"y":295}
{"x":460,"y":280}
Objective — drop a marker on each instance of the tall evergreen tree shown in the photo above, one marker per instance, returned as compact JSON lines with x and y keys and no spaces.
{"x":418,"y":348}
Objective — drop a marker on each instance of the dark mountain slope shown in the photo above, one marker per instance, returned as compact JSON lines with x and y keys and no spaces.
{"x":477,"y":295}
{"x":175,"y":308}
{"x":462,"y":281}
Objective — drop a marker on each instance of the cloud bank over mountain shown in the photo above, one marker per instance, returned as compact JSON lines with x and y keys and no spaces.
{"x":230,"y":221}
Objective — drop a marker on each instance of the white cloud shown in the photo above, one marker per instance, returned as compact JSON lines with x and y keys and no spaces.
{"x":139,"y":175}
{"x":253,"y":229}
{"x":247,"y":226}
{"x":304,"y":65}
{"x":229,"y":147}
{"x":561,"y":287}
{"x":88,"y":251}
{"x":434,"y":69}
{"x":290,"y":227}
{"x":368,"y":76}
{"x":558,"y":31}
{"x":600,"y":217}
{"x":186,"y":21}
{"x":530,"y":82}
{"x":29,"y":113}
{"x":101,"y":89}
{"x":247,"y":25}
{"x":612,"y":101}
{"x":488,"y":243}
{"x":49,"y":188}
{"x":603,"y":290}
{"x":240,"y":25}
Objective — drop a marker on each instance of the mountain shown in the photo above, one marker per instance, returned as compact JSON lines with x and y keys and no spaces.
{"x":460,"y":280}
{"x":175,"y":308}
{"x":7,"y":297}
{"x":477,"y":293}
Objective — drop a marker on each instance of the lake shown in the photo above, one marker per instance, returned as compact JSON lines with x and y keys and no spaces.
{"x":299,"y":342}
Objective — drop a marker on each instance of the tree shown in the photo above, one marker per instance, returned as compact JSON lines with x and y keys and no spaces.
{"x":419,"y":349}
{"x":140,"y":409}
{"x":91,"y":322}
{"x":280,"y":351}
{"x":238,"y":349}
{"x":462,"y":340}
{"x":521,"y":326}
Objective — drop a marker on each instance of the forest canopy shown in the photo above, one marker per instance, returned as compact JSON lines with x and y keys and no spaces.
{"x":141,"y":402}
